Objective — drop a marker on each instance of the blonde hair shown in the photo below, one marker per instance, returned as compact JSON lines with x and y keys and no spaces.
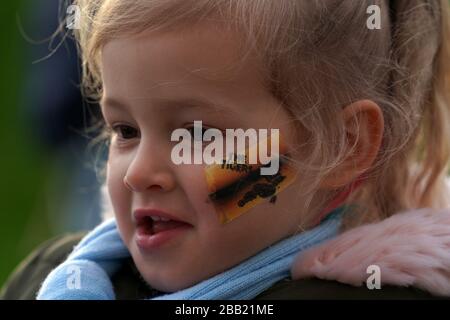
{"x":320,"y":56}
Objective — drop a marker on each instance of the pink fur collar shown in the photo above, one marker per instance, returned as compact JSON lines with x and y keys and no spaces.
{"x":411,"y":248}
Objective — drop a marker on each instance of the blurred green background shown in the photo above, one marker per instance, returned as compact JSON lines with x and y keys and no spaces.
{"x":37,"y":188}
{"x":25,"y":169}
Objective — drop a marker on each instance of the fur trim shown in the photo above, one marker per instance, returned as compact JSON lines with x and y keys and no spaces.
{"x":411,"y":248}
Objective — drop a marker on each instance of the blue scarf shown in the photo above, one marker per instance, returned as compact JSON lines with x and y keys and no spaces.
{"x":86,"y":272}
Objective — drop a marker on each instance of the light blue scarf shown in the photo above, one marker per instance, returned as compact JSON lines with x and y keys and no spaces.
{"x":86,"y":272}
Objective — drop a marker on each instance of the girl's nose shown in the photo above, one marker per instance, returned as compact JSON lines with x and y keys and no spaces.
{"x":137,"y":186}
{"x":148,"y":170}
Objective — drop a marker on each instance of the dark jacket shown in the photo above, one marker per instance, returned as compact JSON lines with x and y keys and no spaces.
{"x":25,"y":281}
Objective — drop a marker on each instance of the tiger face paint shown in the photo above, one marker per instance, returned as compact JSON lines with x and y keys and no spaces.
{"x":237,"y":186}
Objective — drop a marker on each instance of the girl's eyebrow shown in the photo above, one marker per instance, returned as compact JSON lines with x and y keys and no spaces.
{"x":201,"y":104}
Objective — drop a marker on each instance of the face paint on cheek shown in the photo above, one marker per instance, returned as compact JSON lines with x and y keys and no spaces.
{"x":236,"y":188}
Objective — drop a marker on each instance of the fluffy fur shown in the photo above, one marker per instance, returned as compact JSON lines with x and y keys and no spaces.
{"x":412,"y":248}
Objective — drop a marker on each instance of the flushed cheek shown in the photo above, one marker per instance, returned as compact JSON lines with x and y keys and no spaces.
{"x":193,"y":183}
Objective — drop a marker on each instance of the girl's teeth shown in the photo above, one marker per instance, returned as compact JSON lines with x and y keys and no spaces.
{"x":157,"y":218}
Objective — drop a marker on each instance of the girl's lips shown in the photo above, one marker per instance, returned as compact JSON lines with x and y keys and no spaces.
{"x":155,"y":228}
{"x":143,"y":213}
{"x":147,"y":239}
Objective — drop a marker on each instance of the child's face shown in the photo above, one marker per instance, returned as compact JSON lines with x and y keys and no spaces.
{"x":143,"y":73}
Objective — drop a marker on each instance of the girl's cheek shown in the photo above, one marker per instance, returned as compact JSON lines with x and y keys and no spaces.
{"x":196,"y":190}
{"x":195,"y":183}
{"x":117,"y":190}
{"x":120,"y":199}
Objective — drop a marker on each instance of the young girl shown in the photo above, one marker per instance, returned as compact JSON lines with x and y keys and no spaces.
{"x":363,"y":114}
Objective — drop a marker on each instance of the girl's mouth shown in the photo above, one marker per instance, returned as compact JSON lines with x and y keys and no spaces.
{"x":152,"y":233}
{"x":148,"y":226}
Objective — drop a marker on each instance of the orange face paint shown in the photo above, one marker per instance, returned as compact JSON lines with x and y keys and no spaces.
{"x":235,"y":188}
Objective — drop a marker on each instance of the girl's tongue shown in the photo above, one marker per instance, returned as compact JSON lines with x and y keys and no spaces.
{"x":159,"y":226}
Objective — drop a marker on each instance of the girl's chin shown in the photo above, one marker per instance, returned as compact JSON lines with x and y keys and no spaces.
{"x":165,"y":281}
{"x":167,"y":276}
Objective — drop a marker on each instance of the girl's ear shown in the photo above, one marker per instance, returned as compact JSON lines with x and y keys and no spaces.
{"x":364,"y":124}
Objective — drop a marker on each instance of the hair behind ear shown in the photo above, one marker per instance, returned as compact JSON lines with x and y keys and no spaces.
{"x":434,"y":138}
{"x":422,"y":50}
{"x":419,"y":89}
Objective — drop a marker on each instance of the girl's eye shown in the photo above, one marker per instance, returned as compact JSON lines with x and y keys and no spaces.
{"x":125,"y":132}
